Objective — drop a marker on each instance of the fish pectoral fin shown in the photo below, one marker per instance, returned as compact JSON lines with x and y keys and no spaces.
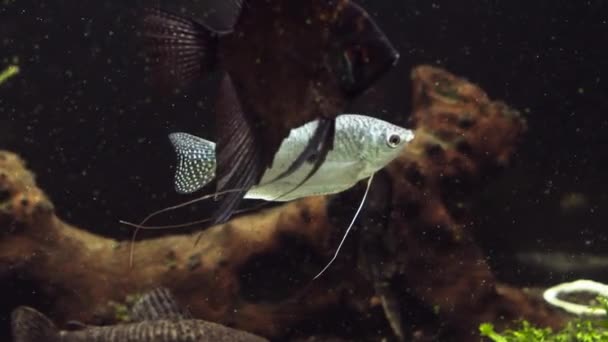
{"x":195,"y":162}
{"x":156,"y":305}
{"x":177,"y":49}
{"x":30,"y":325}
{"x":239,"y":156}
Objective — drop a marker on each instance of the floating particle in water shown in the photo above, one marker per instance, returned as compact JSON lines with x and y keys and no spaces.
{"x":573,"y":202}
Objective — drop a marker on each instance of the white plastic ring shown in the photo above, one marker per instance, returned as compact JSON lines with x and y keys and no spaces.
{"x":582,"y":285}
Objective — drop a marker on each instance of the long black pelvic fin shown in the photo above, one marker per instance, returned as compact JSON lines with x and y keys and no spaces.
{"x":315,"y":152}
{"x":177,"y":50}
{"x":238,"y":155}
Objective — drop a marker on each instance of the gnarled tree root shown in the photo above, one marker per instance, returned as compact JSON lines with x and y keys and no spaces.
{"x":255,"y":272}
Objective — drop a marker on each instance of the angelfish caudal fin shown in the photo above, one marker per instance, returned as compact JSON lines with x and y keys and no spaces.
{"x":29,"y":325}
{"x":178,"y":50}
{"x":195,"y":162}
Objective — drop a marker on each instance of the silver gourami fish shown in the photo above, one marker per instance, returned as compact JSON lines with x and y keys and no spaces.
{"x":325,"y":64}
{"x":362,"y":146}
{"x":156,"y":317}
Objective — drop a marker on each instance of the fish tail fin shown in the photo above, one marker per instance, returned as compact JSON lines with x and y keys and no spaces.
{"x":30,"y":325}
{"x":195,"y":162}
{"x":177,"y":50}
{"x":239,"y":156}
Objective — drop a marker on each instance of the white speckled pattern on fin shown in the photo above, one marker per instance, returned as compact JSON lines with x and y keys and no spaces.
{"x":195,"y":162}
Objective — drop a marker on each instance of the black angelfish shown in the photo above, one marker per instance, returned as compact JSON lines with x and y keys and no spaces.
{"x":285,"y":63}
{"x":156,"y":318}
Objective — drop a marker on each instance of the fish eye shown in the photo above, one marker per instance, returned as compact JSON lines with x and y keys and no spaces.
{"x":393,"y":140}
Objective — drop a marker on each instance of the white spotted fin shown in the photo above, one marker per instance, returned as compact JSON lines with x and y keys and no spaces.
{"x":195,"y":162}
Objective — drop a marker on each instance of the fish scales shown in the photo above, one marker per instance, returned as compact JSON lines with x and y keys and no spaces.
{"x":345,"y":165}
{"x":132,"y":332}
{"x":161,"y":331}
{"x":157,"y":319}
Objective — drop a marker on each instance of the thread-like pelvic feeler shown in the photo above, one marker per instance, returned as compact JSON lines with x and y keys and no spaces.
{"x":369,"y":183}
{"x":181,"y":205}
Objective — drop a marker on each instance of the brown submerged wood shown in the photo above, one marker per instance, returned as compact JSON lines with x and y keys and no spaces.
{"x":424,"y":246}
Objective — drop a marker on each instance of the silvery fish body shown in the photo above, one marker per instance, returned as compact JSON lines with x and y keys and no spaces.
{"x":362,"y":146}
{"x":157,"y":318}
{"x":313,"y":68}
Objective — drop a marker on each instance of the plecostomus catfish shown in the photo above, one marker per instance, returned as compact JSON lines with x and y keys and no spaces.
{"x":156,"y":317}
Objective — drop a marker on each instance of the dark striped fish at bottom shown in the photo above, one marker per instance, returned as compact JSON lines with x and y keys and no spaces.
{"x":157,"y":318}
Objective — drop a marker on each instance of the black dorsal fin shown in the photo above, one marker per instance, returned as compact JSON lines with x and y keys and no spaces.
{"x":156,"y":305}
{"x":315,"y":152}
{"x":30,"y":325}
{"x":178,"y":50}
{"x":239,"y":162}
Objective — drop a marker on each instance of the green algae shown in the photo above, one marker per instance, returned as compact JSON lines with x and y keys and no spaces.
{"x":9,"y":72}
{"x":578,"y":330}
{"x":122,"y":311}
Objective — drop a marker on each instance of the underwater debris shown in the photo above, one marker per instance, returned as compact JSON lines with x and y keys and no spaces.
{"x":122,"y":311}
{"x":255,"y":271}
{"x":574,"y":203}
{"x":545,"y":265}
{"x":9,"y":72}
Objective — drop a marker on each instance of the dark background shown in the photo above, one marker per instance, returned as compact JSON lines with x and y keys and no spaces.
{"x":96,"y":135}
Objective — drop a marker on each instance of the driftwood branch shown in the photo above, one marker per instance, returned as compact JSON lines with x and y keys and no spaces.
{"x":255,"y":272}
